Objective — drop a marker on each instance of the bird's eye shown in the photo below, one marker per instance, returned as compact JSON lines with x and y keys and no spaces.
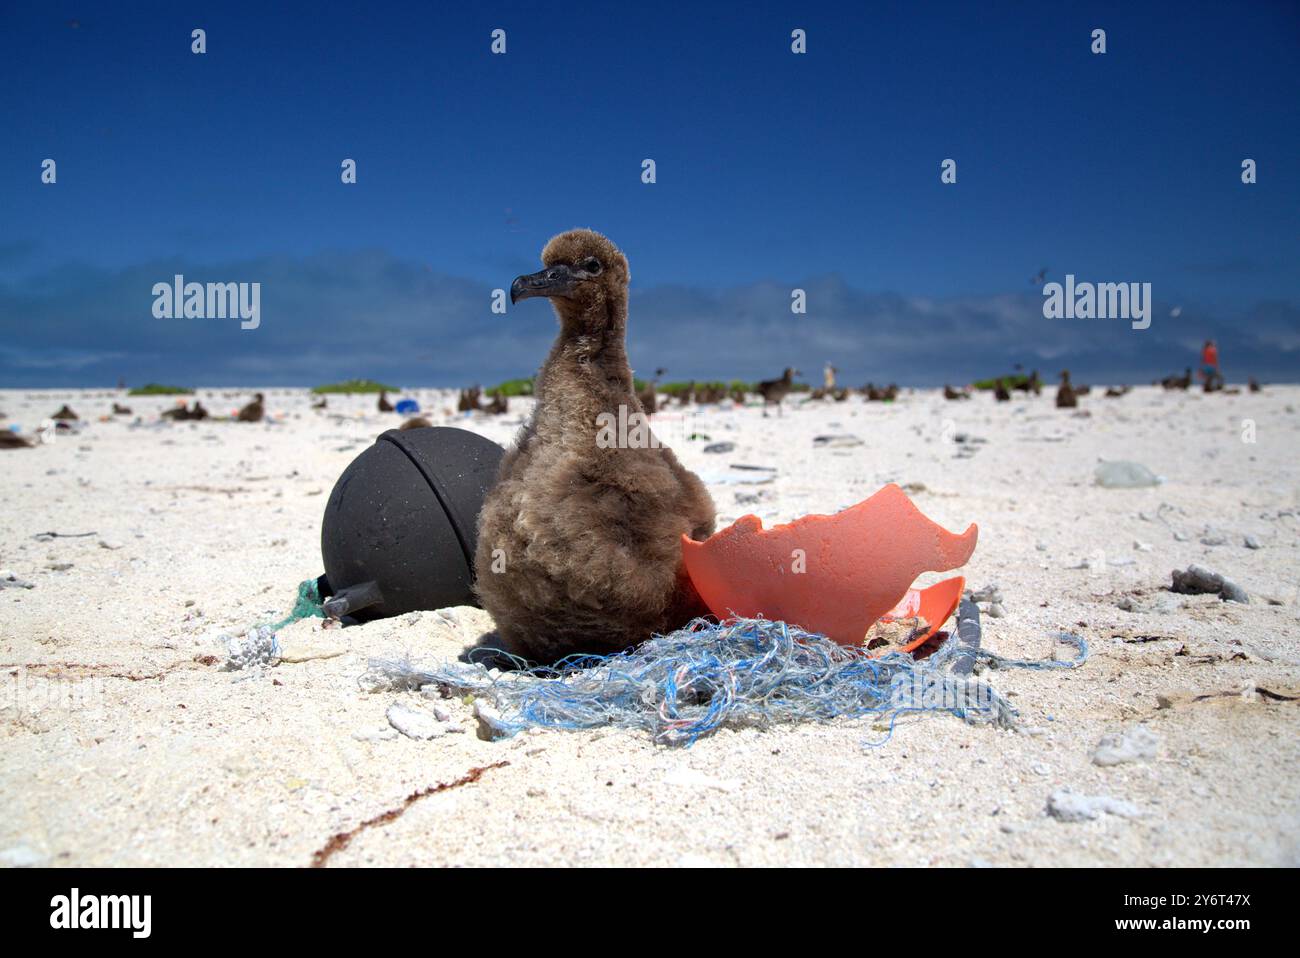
{"x":591,"y":265}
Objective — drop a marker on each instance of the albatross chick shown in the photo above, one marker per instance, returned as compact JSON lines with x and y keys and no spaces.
{"x":579,"y":541}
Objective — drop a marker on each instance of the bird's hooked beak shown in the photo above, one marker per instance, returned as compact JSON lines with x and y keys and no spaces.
{"x":555,"y":280}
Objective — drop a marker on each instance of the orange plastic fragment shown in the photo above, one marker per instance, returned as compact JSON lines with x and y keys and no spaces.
{"x":836,"y":575}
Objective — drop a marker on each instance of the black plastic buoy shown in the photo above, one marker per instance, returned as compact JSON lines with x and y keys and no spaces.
{"x":401,"y":525}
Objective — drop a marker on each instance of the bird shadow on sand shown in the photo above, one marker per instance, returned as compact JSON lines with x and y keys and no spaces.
{"x":490,"y":651}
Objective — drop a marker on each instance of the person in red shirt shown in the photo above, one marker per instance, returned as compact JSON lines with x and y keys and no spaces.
{"x":1210,"y":364}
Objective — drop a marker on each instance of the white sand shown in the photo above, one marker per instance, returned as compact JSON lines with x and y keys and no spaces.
{"x":119,"y":745}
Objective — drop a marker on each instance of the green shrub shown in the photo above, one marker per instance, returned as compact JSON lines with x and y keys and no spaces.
{"x":1011,"y":381}
{"x":354,"y":386}
{"x":158,"y":389}
{"x":513,"y":387}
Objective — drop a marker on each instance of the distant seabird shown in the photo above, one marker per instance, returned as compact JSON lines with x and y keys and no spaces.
{"x":1065,"y":395}
{"x":710,"y":393}
{"x":650,"y":395}
{"x":469,"y":399}
{"x":181,"y":414}
{"x":254,"y":410}
{"x":1033,"y":384}
{"x":774,"y":391}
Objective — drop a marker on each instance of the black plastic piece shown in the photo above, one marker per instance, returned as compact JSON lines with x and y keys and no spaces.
{"x":401,"y":525}
{"x":352,"y":599}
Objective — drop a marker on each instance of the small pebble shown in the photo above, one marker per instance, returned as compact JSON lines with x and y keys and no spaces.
{"x":413,"y":723}
{"x":491,"y":727}
{"x":1197,"y":580}
{"x":835,"y":442}
{"x":1130,"y":745}
{"x":21,"y":856}
{"x":8,"y":580}
{"x":1125,"y":475}
{"x":375,"y":735}
{"x":1067,"y":806}
{"x":1231,"y":592}
{"x":439,"y":710}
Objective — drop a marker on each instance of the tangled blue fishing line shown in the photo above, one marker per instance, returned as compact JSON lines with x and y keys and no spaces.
{"x":740,"y":672}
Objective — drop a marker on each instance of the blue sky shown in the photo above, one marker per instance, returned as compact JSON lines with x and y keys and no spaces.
{"x":774,"y":171}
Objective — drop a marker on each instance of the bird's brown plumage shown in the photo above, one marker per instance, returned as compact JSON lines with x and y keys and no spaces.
{"x":253,"y":411}
{"x":650,"y":395}
{"x":579,"y":540}
{"x":775,"y":390}
{"x":469,"y":399}
{"x":1066,"y":396}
